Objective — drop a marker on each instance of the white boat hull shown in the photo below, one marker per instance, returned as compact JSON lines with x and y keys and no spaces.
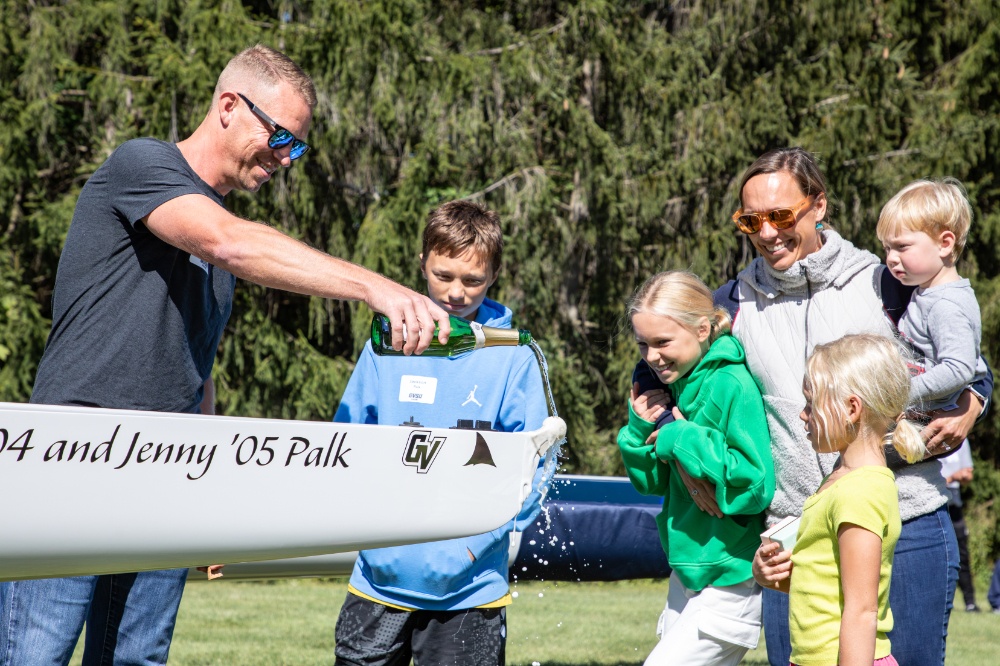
{"x":91,"y":491}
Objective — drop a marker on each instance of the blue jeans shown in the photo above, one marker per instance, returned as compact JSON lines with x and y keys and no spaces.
{"x":130,"y":619}
{"x":993,"y":596}
{"x":924,"y":576}
{"x":776,"y":636}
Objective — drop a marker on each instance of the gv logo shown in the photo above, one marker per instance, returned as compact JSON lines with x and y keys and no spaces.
{"x":421,"y":450}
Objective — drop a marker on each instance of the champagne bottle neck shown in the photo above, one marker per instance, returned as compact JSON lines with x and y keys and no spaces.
{"x":501,"y":337}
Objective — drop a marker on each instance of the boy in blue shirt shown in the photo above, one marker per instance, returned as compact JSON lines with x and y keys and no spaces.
{"x":443,"y":602}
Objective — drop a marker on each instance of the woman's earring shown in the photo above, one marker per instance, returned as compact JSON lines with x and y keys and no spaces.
{"x":819,"y":226}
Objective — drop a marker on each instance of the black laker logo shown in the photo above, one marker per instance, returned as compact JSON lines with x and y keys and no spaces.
{"x":481,"y":455}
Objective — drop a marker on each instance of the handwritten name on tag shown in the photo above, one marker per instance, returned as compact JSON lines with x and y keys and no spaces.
{"x":413,"y":388}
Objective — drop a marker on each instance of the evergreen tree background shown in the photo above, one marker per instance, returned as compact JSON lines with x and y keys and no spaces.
{"x":610,"y":136}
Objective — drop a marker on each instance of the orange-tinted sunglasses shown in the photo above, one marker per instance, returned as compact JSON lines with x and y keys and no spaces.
{"x":779,"y":218}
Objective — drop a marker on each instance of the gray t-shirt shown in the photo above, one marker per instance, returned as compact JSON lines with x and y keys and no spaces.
{"x":942,"y":324}
{"x":136,"y":322}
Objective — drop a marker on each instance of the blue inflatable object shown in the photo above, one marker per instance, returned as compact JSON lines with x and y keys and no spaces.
{"x":592,"y":528}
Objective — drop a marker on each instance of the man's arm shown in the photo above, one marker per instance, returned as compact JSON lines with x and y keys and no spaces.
{"x":208,"y":398}
{"x":262,"y":254}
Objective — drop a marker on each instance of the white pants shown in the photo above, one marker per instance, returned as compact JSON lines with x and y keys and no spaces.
{"x":715,"y":626}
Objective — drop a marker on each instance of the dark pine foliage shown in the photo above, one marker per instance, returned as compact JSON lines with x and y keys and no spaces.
{"x":610,"y":136}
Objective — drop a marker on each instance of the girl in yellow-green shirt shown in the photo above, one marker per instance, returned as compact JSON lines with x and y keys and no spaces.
{"x":856,"y":390}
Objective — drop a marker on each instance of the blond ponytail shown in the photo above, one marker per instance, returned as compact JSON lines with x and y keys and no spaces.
{"x":907,"y":441}
{"x":870,"y":367}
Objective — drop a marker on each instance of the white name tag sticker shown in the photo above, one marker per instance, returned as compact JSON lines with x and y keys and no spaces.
{"x":417,"y":389}
{"x":200,"y":263}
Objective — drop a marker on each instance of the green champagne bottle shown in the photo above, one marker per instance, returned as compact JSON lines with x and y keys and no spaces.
{"x":466,"y":336}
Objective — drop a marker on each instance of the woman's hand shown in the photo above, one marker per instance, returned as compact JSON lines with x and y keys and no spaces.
{"x":772,"y":567}
{"x":947,"y":430}
{"x":650,"y":405}
{"x":702,"y":491}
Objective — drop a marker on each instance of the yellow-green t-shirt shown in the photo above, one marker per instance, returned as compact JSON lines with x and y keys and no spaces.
{"x":866,"y":497}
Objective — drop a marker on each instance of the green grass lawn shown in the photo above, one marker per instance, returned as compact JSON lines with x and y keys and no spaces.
{"x":291,"y":623}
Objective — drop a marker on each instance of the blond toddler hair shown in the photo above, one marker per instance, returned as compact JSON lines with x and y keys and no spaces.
{"x":930,"y":206}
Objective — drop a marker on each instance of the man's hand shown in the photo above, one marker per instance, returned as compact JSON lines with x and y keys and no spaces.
{"x":947,"y":430}
{"x":406,"y":308}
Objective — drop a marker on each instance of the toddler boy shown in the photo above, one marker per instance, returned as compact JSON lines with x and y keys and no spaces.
{"x":923,"y":230}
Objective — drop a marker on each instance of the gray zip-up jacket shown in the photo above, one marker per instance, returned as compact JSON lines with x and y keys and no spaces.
{"x":781,"y":316}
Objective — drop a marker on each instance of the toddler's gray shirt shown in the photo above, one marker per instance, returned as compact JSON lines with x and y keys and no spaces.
{"x":942,"y":323}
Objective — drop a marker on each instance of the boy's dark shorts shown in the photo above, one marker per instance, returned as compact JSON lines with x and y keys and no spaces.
{"x":370,"y":634}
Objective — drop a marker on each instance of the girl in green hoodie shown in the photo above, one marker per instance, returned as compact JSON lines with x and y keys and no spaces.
{"x":719,"y":435}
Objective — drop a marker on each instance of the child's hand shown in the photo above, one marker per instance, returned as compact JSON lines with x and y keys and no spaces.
{"x":649,"y":405}
{"x":772,"y":567}
{"x":702,"y":491}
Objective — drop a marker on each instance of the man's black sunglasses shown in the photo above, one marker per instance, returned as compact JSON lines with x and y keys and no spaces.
{"x":280,"y":137}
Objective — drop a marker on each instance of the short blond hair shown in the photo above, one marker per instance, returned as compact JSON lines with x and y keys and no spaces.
{"x":261,"y":67}
{"x":930,"y":206}
{"x":872,"y":368}
{"x":683,"y":297}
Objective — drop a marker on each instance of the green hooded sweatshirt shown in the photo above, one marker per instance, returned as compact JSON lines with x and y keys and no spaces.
{"x":723,"y":440}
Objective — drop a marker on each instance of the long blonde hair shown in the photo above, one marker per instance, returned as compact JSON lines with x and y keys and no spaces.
{"x":870,"y":367}
{"x":683,"y":297}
